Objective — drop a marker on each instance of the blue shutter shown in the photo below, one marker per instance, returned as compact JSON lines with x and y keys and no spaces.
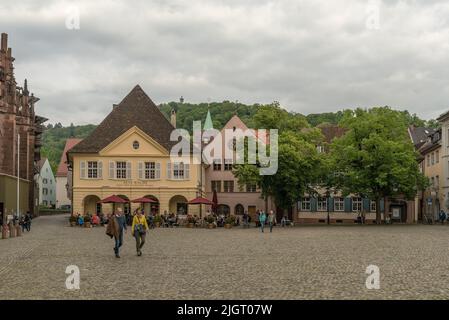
{"x":366,"y":204}
{"x":348,"y":204}
{"x":313,"y":204}
{"x":330,"y":204}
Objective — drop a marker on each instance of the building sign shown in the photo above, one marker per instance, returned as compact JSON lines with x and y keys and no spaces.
{"x":396,"y":213}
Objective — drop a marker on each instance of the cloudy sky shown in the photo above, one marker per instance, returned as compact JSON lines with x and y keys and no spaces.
{"x":310,"y":55}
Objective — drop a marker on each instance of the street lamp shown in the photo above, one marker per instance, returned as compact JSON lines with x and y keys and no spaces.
{"x":328,"y":197}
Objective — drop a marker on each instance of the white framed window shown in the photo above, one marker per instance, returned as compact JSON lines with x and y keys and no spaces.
{"x":228,"y":186}
{"x":356,"y":204}
{"x":322,"y":204}
{"x":339,"y":204}
{"x":305,"y":204}
{"x":432,"y":157}
{"x":251,"y":187}
{"x":120,"y":169}
{"x":91,"y":169}
{"x":217,"y":164}
{"x":149,"y":170}
{"x":216,"y":185}
{"x":228,"y":165}
{"x":178,"y":171}
{"x":372,"y":206}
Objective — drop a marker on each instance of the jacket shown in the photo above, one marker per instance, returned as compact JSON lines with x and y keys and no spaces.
{"x":142,"y":221}
{"x":115,"y":226}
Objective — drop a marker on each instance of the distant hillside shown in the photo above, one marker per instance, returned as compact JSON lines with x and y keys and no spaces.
{"x":54,"y":140}
{"x":55,"y":136}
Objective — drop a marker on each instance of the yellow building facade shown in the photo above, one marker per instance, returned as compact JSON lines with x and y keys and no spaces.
{"x":133,"y":161}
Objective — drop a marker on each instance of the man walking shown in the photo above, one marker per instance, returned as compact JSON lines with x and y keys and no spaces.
{"x":262,"y":219}
{"x":271,"y":220}
{"x":115,"y":228}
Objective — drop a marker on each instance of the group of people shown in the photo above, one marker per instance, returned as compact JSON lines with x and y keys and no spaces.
{"x":262,"y":219}
{"x":117,"y":226}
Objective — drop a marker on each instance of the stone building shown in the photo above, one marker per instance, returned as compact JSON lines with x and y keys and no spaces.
{"x":17,"y":119}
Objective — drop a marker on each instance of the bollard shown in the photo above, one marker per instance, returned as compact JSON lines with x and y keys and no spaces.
{"x":12,"y":230}
{"x":19,"y":230}
{"x":5,"y":232}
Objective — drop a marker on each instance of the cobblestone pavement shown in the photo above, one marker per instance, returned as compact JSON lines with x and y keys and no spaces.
{"x":307,"y":262}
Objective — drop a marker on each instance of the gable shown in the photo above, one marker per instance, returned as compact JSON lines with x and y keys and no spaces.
{"x":124,"y":145}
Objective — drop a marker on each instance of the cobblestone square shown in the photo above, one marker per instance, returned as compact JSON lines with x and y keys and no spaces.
{"x":306,"y":262}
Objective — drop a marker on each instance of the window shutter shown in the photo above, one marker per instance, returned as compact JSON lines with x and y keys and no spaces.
{"x":111,"y":170}
{"x":186,"y":171}
{"x":366,"y":204}
{"x":128,"y":170}
{"x":168,"y":170}
{"x":348,"y":204}
{"x":100,"y":169}
{"x":141,"y":176}
{"x":313,"y":204}
{"x":330,"y":204}
{"x":158,"y":170}
{"x":83,"y":169}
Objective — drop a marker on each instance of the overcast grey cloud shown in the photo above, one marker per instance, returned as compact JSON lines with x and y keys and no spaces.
{"x":310,"y":55}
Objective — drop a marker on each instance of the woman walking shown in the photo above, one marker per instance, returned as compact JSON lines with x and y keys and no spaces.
{"x":139,"y":228}
{"x":262,"y":219}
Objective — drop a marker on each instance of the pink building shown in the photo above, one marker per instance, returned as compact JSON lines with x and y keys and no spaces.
{"x":232,"y":198}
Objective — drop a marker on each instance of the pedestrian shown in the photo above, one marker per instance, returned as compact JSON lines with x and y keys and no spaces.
{"x":28,"y":219}
{"x":442,"y":216}
{"x":271,"y":220}
{"x":116,"y":226}
{"x":139,"y":229}
{"x":262,"y":219}
{"x":245,"y":219}
{"x":257,"y":218}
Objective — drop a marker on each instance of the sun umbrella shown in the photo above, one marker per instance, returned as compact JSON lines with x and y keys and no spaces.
{"x":144,"y":200}
{"x":215,"y":202}
{"x":200,"y":200}
{"x":113,"y":199}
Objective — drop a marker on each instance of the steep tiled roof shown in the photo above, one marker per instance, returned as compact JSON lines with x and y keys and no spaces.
{"x":62,"y":167}
{"x":40,"y":163}
{"x":419,"y":135}
{"x":136,"y":109}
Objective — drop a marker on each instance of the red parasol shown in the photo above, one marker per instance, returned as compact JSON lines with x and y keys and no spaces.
{"x":200,"y":200}
{"x":143,"y":200}
{"x":113,"y":199}
{"x":215,"y":202}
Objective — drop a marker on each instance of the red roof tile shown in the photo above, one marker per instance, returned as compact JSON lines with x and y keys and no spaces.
{"x":62,"y":167}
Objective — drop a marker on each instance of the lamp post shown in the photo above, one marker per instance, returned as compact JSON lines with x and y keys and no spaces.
{"x":18,"y":176}
{"x":328,"y":195}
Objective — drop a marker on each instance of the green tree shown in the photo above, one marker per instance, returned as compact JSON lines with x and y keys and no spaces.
{"x":298,"y":159}
{"x":375,"y":158}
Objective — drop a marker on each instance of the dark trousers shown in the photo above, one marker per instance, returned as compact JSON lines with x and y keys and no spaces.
{"x":28,"y":226}
{"x":140,"y":240}
{"x":118,"y":242}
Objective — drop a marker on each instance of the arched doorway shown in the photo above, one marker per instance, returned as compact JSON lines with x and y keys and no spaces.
{"x":152,"y":207}
{"x":178,"y":205}
{"x":91,"y":205}
{"x":223,"y":209}
{"x":126,"y":206}
{"x":239,"y":210}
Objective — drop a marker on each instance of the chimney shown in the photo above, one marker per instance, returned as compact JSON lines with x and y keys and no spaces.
{"x":114,"y":106}
{"x":4,"y":46}
{"x":173,"y":118}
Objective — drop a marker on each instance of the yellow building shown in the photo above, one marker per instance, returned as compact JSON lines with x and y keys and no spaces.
{"x":128,"y":155}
